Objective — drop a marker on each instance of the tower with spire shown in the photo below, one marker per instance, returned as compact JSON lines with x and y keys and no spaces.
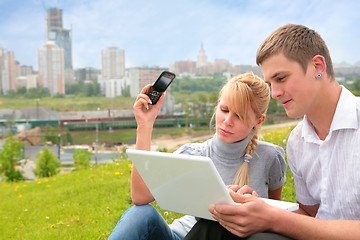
{"x":202,"y":60}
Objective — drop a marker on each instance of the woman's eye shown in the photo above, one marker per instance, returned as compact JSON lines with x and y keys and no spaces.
{"x":224,"y":110}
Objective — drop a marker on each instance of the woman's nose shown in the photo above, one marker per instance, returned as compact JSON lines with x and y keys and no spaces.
{"x":228,"y":120}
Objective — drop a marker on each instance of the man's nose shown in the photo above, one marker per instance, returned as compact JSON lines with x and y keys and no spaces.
{"x":276,"y":91}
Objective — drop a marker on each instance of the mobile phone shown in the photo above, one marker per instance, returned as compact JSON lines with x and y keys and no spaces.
{"x":160,"y":85}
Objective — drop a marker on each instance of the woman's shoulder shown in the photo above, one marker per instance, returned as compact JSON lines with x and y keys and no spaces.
{"x":199,"y":149}
{"x":270,"y":149}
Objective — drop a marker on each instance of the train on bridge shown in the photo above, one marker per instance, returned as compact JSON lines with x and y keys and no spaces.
{"x":107,"y":122}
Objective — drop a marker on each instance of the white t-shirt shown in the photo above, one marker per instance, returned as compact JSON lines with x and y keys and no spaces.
{"x":328,"y":172}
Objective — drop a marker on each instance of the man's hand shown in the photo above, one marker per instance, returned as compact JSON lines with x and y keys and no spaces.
{"x":252,"y":216}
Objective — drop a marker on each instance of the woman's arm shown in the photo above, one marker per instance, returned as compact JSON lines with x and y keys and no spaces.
{"x":145,"y":115}
{"x":275,"y":194}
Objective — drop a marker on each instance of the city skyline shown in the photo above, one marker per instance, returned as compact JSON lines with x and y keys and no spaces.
{"x":159,"y":33}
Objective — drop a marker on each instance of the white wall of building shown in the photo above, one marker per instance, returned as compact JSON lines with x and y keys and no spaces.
{"x":51,"y":68}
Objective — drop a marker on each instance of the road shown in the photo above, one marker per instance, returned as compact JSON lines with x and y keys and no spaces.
{"x":171,"y":143}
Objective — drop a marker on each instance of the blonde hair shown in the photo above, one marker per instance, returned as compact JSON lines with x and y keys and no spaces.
{"x":244,"y":91}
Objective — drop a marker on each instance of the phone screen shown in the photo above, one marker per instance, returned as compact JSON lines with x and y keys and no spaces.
{"x":163,"y":82}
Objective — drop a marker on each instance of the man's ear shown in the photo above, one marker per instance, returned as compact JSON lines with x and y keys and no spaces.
{"x":319,"y":64}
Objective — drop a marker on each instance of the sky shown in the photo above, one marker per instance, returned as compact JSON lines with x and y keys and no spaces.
{"x":160,"y":32}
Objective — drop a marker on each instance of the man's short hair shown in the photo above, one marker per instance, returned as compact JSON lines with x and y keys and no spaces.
{"x":298,"y":43}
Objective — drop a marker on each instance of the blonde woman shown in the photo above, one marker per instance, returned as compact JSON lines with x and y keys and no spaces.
{"x":235,"y":150}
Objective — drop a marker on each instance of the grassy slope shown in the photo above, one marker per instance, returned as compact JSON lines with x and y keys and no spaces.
{"x":279,"y":137}
{"x":69,"y":104}
{"x":80,"y":205}
{"x":84,"y":204}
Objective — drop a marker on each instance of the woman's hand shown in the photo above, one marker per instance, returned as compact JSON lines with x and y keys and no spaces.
{"x":240,"y":191}
{"x":145,"y":113}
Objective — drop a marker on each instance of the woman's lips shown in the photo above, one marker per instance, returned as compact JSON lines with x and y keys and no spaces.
{"x":224,"y":132}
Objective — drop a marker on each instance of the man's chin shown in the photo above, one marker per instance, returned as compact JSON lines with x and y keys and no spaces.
{"x":293,"y":114}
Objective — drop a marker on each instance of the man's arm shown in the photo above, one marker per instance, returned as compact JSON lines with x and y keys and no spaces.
{"x":305,"y":227}
{"x":254,"y":215}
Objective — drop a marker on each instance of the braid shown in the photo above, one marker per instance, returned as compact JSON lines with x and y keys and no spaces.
{"x":242,"y":175}
{"x":250,"y":148}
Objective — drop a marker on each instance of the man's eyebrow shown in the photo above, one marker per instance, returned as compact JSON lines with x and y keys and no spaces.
{"x":274,"y":75}
{"x":268,"y":81}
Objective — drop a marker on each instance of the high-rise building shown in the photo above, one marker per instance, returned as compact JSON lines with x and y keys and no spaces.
{"x":221,"y":65}
{"x":113,"y":81}
{"x":202,"y":60}
{"x":7,"y":71}
{"x":185,"y":67}
{"x":25,"y":70}
{"x":113,"y":63}
{"x":61,"y":37}
{"x":51,"y":68}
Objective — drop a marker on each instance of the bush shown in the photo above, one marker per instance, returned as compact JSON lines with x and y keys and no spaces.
{"x":9,"y":158}
{"x":47,"y":164}
{"x":81,"y":158}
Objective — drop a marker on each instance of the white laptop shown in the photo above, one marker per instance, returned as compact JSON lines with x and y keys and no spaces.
{"x":186,"y":184}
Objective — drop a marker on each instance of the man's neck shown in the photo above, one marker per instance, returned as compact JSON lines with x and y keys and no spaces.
{"x":323,"y":113}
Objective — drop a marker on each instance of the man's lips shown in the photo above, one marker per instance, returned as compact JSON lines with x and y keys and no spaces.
{"x":284,"y":103}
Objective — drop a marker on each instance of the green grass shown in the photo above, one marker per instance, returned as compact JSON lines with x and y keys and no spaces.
{"x":83,"y":204}
{"x":119,"y":135}
{"x":68,"y":104}
{"x":88,"y":137}
{"x":279,"y":137}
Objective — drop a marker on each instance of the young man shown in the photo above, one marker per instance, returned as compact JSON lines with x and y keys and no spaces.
{"x":323,"y":150}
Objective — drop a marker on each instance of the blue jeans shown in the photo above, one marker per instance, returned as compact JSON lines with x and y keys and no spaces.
{"x":142,"y":222}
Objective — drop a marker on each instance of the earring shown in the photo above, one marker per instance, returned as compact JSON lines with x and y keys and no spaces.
{"x":319,"y":75}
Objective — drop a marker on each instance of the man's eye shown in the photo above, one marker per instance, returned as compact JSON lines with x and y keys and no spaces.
{"x":280,"y":79}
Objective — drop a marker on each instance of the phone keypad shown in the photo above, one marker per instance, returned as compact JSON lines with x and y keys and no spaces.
{"x":154,"y":96}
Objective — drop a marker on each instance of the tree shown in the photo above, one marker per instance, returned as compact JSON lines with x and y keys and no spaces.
{"x":83,"y":89}
{"x":21,"y":91}
{"x":52,"y":134}
{"x":275,"y":107}
{"x":47,"y":164}
{"x":37,"y":92}
{"x":11,"y":93}
{"x":9,"y":158}
{"x":81,"y":158}
{"x":125,"y":92}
